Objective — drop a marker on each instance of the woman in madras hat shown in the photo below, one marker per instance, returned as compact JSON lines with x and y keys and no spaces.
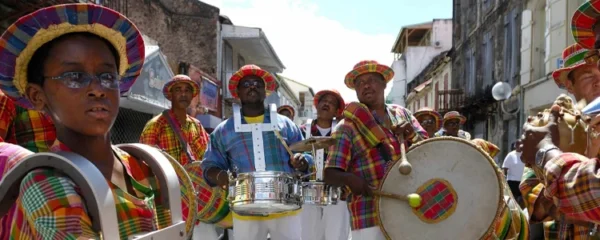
{"x":452,"y":122}
{"x":288,"y":111}
{"x":73,"y":61}
{"x":429,"y":119}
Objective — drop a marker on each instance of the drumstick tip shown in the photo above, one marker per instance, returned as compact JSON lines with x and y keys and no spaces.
{"x":414,"y":200}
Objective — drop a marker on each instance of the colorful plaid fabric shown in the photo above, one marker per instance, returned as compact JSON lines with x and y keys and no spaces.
{"x":438,"y":201}
{"x":46,"y":24}
{"x":249,"y":70}
{"x":50,"y":207}
{"x":429,"y":111}
{"x":355,"y":154}
{"x":30,"y":129}
{"x":160,"y":134}
{"x":583,"y":21}
{"x":177,"y":79}
{"x":320,"y":94}
{"x":368,"y":66}
{"x":574,"y":56}
{"x":9,"y":156}
{"x":229,"y":150}
{"x":490,"y":148}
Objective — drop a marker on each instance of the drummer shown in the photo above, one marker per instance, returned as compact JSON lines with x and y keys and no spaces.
{"x":331,"y":222}
{"x":232,"y":151}
{"x":288,"y":111}
{"x":74,"y":67}
{"x":581,"y":78}
{"x":366,"y":142}
{"x":452,"y":122}
{"x":429,"y":119}
{"x":166,"y":131}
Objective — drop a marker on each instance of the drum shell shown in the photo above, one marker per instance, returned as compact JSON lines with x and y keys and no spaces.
{"x":476,"y":184}
{"x":264,"y":193}
{"x":319,"y":193}
{"x":213,"y":207}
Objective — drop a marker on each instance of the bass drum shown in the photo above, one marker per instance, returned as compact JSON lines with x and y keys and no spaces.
{"x":461,"y":188}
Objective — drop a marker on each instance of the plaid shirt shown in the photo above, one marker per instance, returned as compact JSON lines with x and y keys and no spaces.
{"x":352,"y":155}
{"x":228,"y":149}
{"x":9,"y":156}
{"x":50,"y":206}
{"x":159,"y":133}
{"x":30,"y":129}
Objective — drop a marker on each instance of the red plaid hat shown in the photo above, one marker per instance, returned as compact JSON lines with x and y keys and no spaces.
{"x":583,"y":22}
{"x":249,"y":70}
{"x":180,"y":79}
{"x":341,"y":103}
{"x":287,"y":107}
{"x":368,"y":66}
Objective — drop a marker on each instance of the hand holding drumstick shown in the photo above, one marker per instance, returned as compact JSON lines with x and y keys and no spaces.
{"x":403,"y":131}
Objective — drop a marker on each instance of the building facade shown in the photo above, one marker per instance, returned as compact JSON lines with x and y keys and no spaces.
{"x":487,"y":42}
{"x":432,"y":87}
{"x":415,"y":47}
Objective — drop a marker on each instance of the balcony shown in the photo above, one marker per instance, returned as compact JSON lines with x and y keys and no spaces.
{"x":450,"y":100}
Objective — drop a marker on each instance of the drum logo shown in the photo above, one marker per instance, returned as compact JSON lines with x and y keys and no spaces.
{"x":439,"y":200}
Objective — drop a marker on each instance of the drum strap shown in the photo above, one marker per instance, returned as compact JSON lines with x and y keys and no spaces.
{"x":257,"y":130}
{"x":178,"y":133}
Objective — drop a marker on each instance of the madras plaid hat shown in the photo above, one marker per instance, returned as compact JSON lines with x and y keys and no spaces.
{"x":286,"y":107}
{"x":368,"y":66}
{"x":180,"y":79}
{"x":429,"y":111}
{"x":320,"y":94}
{"x":583,"y":22}
{"x":23,"y":38}
{"x":249,"y":70}
{"x":574,"y":56}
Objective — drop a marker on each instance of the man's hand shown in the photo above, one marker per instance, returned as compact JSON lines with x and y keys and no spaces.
{"x":358,"y":185}
{"x":535,"y":138}
{"x":218,"y":177}
{"x":299,"y":162}
{"x":404,"y":129}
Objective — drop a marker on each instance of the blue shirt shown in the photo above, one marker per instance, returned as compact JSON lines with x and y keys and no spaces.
{"x":228,"y":148}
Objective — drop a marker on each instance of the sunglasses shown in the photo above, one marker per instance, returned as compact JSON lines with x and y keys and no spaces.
{"x":427,"y":122}
{"x":257,"y":84}
{"x":76,"y":80}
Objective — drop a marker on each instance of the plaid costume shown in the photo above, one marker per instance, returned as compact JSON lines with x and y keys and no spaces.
{"x":50,"y":207}
{"x":356,"y":153}
{"x":9,"y":156}
{"x":30,"y":129}
{"x":230,"y":150}
{"x":160,"y":134}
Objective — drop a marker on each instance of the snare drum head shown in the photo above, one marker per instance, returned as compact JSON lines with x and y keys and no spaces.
{"x":460,"y":189}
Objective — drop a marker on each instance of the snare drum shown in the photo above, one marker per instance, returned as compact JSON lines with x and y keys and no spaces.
{"x":212,"y":202}
{"x":264,"y":193}
{"x":318,"y":193}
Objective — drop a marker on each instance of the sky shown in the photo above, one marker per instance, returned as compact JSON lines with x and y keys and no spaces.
{"x":319,"y":41}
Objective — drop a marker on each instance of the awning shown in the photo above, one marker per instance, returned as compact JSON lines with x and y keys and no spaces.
{"x":253,"y":44}
{"x":422,"y":86}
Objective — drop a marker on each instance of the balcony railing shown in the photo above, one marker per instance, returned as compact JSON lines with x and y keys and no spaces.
{"x":450,"y":100}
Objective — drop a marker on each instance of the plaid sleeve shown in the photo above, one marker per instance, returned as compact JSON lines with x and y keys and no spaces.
{"x":420,"y":133}
{"x":216,"y":154}
{"x":7,"y":115}
{"x":574,"y":182}
{"x":340,"y":153}
{"x":53,"y":207}
{"x":150,"y":133}
{"x":203,"y":139}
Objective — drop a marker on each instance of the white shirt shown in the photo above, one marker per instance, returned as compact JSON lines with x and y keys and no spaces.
{"x":515,"y":166}
{"x":324,"y":131}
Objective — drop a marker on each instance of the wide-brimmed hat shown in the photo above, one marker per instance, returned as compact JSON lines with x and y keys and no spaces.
{"x":454,"y":115}
{"x":180,"y":79}
{"x":429,"y":111}
{"x":341,"y":103}
{"x":583,"y":22}
{"x":574,"y":57}
{"x":249,"y":70}
{"x":287,"y":107}
{"x":368,"y":66}
{"x":23,"y":38}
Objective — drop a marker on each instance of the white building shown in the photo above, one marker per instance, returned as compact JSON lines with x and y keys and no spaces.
{"x":240,"y":46}
{"x":546,"y":32}
{"x":414,"y":48}
{"x":435,"y":91}
{"x":305,"y":94}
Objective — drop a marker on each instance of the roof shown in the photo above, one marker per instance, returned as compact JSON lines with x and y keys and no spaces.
{"x":297,"y":83}
{"x":411,"y":35}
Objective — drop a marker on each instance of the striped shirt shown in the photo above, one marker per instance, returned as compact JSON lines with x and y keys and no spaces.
{"x":159,"y":133}
{"x":50,"y":205}
{"x":352,"y":154}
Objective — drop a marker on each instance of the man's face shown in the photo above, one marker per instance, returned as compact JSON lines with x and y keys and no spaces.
{"x":287,"y":113}
{"x":251,"y":89}
{"x":369,"y":88}
{"x":428,"y":123}
{"x":452,"y":126}
{"x":584,"y":83}
{"x":181,"y":95}
{"x":327,"y":107}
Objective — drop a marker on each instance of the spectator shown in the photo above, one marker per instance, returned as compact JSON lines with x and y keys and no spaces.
{"x":513,"y":170}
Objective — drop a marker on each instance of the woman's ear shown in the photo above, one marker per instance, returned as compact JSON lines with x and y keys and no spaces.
{"x":35,"y":94}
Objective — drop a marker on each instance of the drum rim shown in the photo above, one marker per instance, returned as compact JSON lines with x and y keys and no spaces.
{"x":487,"y":157}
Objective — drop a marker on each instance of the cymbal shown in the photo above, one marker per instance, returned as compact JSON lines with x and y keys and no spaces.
{"x":307,"y":145}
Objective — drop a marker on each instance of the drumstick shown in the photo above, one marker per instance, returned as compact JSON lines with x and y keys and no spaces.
{"x":413,"y":199}
{"x":287,"y":148}
{"x":404,"y":167}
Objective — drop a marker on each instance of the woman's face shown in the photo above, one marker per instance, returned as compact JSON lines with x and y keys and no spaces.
{"x":89,"y":108}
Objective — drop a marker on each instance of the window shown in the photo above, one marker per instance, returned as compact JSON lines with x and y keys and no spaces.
{"x":510,"y":47}
{"x":488,"y":59}
{"x":227,"y":61}
{"x":470,"y":70}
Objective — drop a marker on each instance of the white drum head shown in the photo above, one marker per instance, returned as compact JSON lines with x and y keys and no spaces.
{"x":460,"y":188}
